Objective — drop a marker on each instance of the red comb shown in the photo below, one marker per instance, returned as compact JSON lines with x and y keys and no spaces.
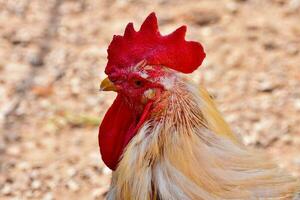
{"x":148,"y":44}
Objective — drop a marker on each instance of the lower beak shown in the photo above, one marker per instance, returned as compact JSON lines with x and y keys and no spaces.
{"x":107,"y":85}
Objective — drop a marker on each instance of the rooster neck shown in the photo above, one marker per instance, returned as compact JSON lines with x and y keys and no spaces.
{"x":184,"y":151}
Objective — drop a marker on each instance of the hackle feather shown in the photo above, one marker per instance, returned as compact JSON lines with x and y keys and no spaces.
{"x":187,"y":151}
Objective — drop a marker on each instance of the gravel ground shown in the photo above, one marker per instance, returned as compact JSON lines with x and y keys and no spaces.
{"x":52,"y":57}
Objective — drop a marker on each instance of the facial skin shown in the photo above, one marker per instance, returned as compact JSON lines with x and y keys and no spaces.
{"x":139,"y":84}
{"x":138,"y":89}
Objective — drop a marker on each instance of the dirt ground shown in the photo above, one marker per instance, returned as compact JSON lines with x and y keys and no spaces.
{"x":52,"y":57}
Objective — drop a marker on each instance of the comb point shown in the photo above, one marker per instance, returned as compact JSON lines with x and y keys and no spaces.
{"x":129,"y":30}
{"x":150,"y":24}
{"x":179,"y":33}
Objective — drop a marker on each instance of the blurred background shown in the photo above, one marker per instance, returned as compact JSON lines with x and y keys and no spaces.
{"x":52,"y":58}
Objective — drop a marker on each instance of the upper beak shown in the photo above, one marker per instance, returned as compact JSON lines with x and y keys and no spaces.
{"x":107,"y":85}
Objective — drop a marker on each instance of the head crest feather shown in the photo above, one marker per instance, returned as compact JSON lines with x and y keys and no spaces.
{"x":171,"y":51}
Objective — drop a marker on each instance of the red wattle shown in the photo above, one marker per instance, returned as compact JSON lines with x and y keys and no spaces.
{"x":119,"y":126}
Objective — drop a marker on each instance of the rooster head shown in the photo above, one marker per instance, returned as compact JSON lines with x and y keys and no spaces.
{"x":141,"y":66}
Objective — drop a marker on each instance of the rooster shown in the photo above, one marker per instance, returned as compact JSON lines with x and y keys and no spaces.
{"x":164,"y":138}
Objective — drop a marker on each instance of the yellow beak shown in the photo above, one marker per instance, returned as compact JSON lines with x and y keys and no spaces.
{"x":107,"y":85}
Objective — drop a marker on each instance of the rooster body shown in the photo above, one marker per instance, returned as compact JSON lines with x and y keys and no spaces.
{"x":171,"y":142}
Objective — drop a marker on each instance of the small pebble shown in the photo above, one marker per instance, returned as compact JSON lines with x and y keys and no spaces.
{"x":36,"y":184}
{"x":48,"y":196}
{"x":13,"y":150}
{"x":73,"y":186}
{"x":6,"y":190}
{"x":232,"y":7}
{"x":297,"y":161}
{"x":23,"y":165}
{"x":71,"y":172}
{"x":297,"y":104}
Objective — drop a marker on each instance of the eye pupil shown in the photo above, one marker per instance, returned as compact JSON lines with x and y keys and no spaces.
{"x":138,"y":83}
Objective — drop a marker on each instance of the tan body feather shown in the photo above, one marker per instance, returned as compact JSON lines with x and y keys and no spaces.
{"x":187,"y":151}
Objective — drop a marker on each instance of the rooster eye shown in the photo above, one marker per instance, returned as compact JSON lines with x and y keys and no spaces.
{"x":138,"y":83}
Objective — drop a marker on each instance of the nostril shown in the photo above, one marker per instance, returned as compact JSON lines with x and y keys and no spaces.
{"x":115,"y":79}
